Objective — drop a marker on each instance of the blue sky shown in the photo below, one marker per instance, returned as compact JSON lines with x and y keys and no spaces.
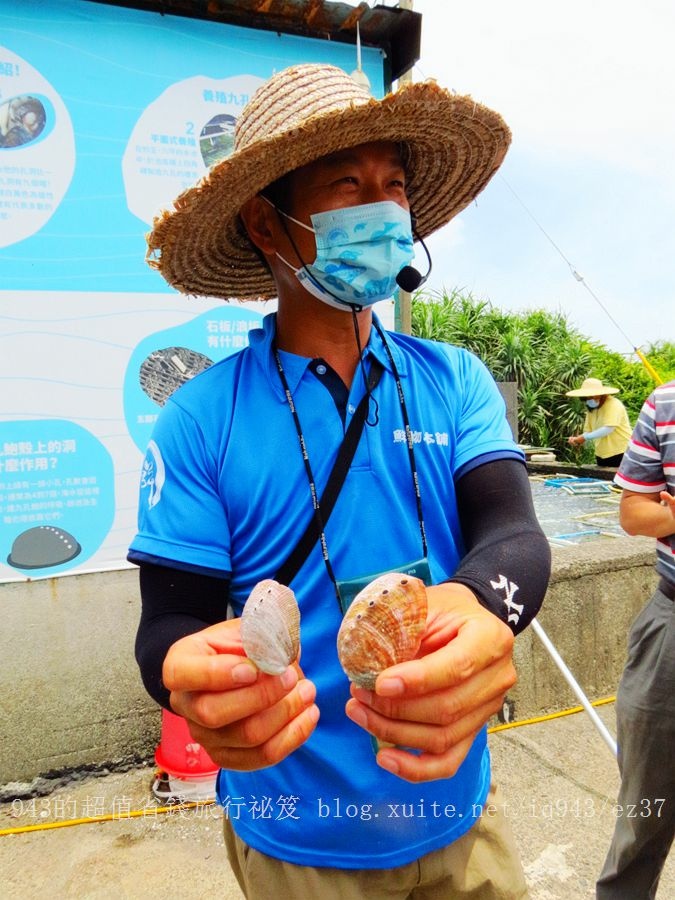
{"x":588,"y":89}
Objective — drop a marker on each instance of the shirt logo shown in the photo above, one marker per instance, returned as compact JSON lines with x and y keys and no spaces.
{"x":514,"y":610}
{"x":422,"y":437}
{"x":153,"y":474}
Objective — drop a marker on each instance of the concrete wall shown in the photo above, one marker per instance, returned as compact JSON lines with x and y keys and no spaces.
{"x":595,"y":593}
{"x":70,"y":692}
{"x":71,"y":696}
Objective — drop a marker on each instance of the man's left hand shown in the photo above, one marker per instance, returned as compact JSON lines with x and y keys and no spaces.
{"x":438,"y":702}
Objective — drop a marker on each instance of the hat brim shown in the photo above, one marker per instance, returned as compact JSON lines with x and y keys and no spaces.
{"x":453,"y":147}
{"x":590,"y":392}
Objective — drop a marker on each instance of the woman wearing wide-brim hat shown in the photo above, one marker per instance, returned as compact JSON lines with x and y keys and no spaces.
{"x":606,"y":422}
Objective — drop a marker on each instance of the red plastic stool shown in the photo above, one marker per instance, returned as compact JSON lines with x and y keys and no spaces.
{"x":187,"y":771}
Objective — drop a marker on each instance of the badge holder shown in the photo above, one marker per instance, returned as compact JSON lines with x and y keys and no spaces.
{"x":351,"y":587}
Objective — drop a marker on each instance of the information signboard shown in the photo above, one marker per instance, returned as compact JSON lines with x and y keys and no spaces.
{"x":106,"y":114}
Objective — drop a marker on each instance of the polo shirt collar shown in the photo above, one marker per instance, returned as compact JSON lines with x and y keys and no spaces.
{"x":260,"y":344}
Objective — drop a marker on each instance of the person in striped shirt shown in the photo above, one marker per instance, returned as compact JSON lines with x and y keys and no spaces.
{"x":645,"y":703}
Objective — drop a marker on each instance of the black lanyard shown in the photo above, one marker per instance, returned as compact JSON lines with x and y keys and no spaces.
{"x":324,"y":506}
{"x":408,"y":438}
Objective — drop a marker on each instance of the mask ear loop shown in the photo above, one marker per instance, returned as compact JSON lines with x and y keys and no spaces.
{"x":354,"y":307}
{"x":372,"y":400}
{"x":285,"y":216}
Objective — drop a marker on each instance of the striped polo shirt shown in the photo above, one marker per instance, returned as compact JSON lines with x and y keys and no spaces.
{"x":648,"y":465}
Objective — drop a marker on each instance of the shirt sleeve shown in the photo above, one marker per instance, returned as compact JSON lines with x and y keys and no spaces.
{"x":641,"y":468}
{"x":483,"y":430}
{"x":181,"y":516}
{"x":508,"y":559}
{"x":601,"y":432}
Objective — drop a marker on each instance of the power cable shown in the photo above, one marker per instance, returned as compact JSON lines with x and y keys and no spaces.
{"x":580,"y":278}
{"x":200,"y":804}
{"x":575,"y":273}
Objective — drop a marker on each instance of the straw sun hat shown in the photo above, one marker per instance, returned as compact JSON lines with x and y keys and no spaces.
{"x":592,"y":387}
{"x":451,"y":148}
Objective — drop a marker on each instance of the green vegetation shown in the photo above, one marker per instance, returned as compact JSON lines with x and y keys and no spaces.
{"x":545,"y":356}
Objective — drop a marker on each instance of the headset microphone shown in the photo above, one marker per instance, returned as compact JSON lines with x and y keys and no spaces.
{"x":409,"y":279}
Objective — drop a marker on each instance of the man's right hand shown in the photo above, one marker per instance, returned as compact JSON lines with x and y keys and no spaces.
{"x":244,"y":719}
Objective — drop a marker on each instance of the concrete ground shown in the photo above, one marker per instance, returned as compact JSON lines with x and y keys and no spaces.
{"x":558,"y":777}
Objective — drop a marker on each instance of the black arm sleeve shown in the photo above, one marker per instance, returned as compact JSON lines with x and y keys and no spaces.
{"x":174,"y":604}
{"x":508,"y":559}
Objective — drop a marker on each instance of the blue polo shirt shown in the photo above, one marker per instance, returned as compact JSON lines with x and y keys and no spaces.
{"x":224,"y":491}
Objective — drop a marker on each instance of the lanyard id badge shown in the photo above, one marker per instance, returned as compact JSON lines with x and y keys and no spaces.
{"x":349,"y":588}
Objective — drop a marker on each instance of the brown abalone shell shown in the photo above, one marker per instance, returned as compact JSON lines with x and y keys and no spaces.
{"x":383,"y":626}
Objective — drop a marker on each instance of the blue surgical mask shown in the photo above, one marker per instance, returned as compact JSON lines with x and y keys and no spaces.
{"x":592,"y":404}
{"x":359,"y":252}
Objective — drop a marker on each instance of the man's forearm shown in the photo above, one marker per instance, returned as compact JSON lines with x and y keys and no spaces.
{"x":508,"y":559}
{"x":175,"y":604}
{"x":647,"y":515}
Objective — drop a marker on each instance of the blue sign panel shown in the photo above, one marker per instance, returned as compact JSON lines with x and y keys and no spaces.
{"x":106,"y":115}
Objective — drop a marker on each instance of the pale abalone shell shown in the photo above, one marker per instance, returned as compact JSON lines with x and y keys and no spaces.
{"x":270,"y":627}
{"x":383,"y":626}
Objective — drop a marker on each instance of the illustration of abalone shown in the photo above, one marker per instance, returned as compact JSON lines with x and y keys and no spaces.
{"x":42,"y":547}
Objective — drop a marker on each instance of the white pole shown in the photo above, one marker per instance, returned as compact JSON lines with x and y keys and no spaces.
{"x":358,"y":47}
{"x":404,"y":297}
{"x":571,"y":680}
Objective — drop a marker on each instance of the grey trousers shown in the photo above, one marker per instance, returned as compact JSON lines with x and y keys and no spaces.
{"x":645,"y":711}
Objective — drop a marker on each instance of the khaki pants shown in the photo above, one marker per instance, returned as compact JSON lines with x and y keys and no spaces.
{"x":481,"y":865}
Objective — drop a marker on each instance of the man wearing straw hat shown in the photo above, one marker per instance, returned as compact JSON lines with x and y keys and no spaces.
{"x":315,"y":207}
{"x":606,"y":422}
